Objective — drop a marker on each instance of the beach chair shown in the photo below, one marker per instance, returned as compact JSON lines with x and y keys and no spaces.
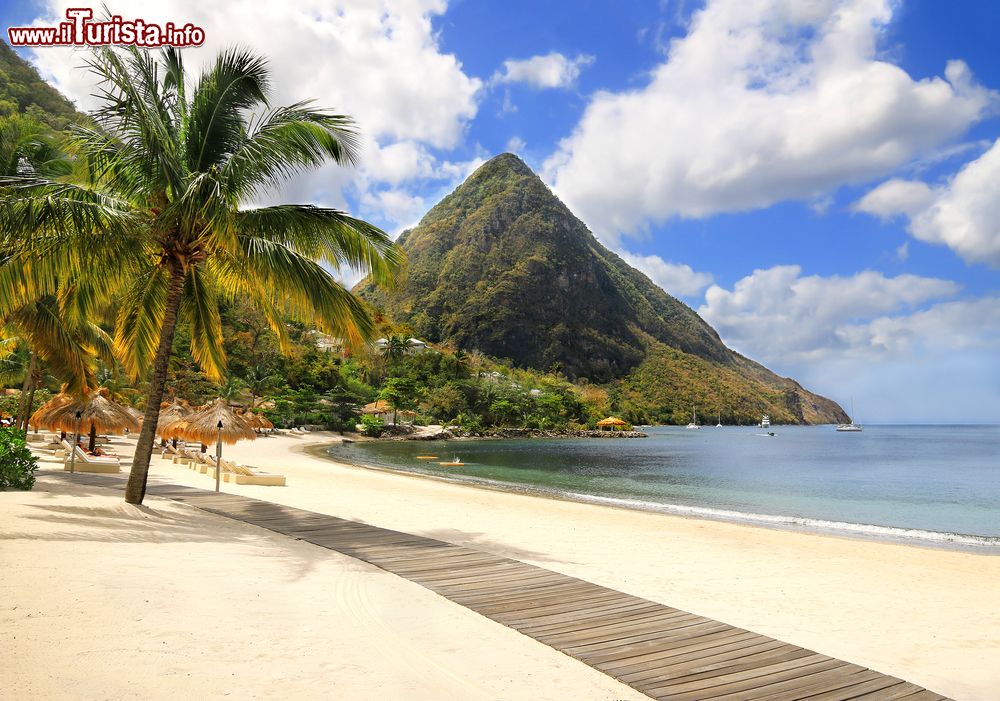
{"x":93,"y":463}
{"x":241,"y":474}
{"x":169,"y":452}
{"x":62,"y":448}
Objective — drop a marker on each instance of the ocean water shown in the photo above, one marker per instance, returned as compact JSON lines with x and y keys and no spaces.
{"x":929,"y":484}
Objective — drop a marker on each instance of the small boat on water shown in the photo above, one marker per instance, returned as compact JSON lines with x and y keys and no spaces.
{"x":719,"y":425}
{"x":694,"y":419}
{"x":765,"y":422}
{"x":850,"y":427}
{"x":457,"y":462}
{"x":427,"y":457}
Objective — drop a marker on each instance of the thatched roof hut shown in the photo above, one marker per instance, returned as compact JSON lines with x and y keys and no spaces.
{"x":612,"y":422}
{"x":202,"y":426}
{"x":379,"y":407}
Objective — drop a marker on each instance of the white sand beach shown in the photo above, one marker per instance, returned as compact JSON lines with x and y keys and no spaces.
{"x":106,"y":600}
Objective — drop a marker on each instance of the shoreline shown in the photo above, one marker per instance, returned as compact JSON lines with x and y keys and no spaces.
{"x":988,"y":546}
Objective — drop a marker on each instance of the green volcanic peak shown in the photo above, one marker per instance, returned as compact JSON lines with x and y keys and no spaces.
{"x":502,"y":266}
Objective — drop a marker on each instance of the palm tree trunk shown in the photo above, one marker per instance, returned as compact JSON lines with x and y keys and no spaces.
{"x":135,"y":490}
{"x":31,"y":406}
{"x":92,"y":441}
{"x":23,"y":413}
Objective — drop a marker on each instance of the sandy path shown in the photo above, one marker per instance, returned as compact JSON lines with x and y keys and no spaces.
{"x":102,"y":600}
{"x":930,"y":616}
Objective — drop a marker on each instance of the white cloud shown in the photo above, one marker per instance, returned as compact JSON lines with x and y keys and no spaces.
{"x":677,"y":279}
{"x":867,"y":336}
{"x":895,"y":197}
{"x":762,"y":101}
{"x":778,"y":315}
{"x":378,"y":61}
{"x":903,"y":251}
{"x":553,"y":70}
{"x":515,"y":144}
{"x":963,"y":214}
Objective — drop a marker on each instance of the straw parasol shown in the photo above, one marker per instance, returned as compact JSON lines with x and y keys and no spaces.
{"x":203,"y":425}
{"x":257,"y":421}
{"x":169,"y":415}
{"x":40,"y":419}
{"x":611,"y":422}
{"x":97,"y":411}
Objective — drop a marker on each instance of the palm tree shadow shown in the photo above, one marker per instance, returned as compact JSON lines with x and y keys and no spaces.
{"x":127,"y":524}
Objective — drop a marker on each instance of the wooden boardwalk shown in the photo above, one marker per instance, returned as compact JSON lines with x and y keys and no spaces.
{"x":660,"y":651}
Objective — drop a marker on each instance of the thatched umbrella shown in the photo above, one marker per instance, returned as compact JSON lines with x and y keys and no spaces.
{"x":611,"y":422}
{"x":257,"y":421}
{"x":203,"y":425}
{"x":217,"y":422}
{"x":171,"y":414}
{"x":97,"y":411}
{"x":40,"y":419}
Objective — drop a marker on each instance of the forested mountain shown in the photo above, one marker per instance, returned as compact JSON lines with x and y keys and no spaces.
{"x":502,"y":266}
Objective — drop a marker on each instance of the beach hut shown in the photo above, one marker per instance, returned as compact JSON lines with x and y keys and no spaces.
{"x":612,"y":423}
{"x":97,"y":414}
{"x":381,"y":409}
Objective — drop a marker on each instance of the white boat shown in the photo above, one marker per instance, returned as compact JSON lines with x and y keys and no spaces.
{"x":851,"y":427}
{"x":765,"y":422}
{"x":719,"y":425}
{"x":694,"y":419}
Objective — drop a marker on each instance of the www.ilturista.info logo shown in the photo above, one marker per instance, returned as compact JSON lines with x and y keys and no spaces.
{"x":82,"y":30}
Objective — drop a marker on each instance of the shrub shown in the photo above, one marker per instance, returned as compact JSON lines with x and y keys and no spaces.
{"x":372,"y":425}
{"x":17,"y":464}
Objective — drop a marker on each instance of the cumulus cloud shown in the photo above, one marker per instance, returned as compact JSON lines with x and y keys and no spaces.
{"x":378,"y":61}
{"x":895,"y":197}
{"x":963,"y":214}
{"x":553,"y":70}
{"x":779,"y":315}
{"x":761,"y":101}
{"x":678,"y":279}
{"x":516,"y":144}
{"x":899,"y":345}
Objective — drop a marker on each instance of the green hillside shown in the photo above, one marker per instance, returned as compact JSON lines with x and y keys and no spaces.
{"x":22,"y":91}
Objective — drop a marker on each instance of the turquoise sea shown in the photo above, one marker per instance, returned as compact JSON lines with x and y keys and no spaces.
{"x":927,"y":484}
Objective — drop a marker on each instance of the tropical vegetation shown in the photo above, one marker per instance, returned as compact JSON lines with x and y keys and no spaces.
{"x":156,"y":219}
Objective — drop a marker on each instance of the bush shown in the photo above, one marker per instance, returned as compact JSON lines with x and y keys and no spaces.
{"x":17,"y":464}
{"x":372,"y":425}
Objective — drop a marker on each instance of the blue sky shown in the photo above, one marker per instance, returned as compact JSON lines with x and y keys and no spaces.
{"x":815,"y":178}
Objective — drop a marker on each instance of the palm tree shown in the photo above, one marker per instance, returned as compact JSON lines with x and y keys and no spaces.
{"x":396,"y":346}
{"x":162,"y":223}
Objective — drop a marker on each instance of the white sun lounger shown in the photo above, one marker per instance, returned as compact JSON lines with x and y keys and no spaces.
{"x":93,"y":463}
{"x":242,"y":474}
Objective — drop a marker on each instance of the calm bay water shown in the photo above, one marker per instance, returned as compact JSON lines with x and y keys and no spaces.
{"x":936,"y":484}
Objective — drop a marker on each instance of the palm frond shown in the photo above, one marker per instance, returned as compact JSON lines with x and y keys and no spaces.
{"x":201,"y":307}
{"x":288,"y":141}
{"x":324,"y":234}
{"x":236,"y":82}
{"x":140,"y":318}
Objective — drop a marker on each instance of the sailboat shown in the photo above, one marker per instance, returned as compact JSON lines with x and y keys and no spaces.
{"x":694,"y":419}
{"x":719,"y":425}
{"x":851,"y":427}
{"x":765,"y":421}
